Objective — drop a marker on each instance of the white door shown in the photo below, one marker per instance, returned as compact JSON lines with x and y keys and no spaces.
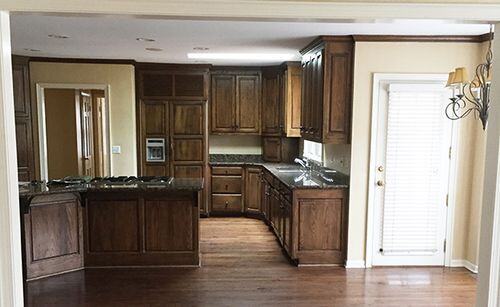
{"x":412,"y":173}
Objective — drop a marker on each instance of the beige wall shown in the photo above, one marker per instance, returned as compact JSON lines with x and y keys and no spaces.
{"x":235,"y":144}
{"x":120,"y":79}
{"x":62,"y":154}
{"x":385,"y":57}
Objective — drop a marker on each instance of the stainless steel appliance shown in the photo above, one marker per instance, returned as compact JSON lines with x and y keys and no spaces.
{"x":155,"y":150}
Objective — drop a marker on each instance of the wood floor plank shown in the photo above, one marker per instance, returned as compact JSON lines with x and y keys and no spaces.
{"x":244,"y":266}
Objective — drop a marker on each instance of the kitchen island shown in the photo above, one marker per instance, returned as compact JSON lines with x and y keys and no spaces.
{"x":128,"y":223}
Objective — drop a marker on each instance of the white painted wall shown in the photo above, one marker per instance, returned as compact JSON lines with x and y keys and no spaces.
{"x":11,"y":286}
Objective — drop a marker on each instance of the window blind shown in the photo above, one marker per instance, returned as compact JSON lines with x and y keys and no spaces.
{"x":415,"y":170}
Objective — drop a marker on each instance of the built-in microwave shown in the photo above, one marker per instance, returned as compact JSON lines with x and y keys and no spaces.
{"x":155,"y":150}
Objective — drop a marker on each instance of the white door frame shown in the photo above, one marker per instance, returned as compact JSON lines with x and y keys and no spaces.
{"x":450,"y":214}
{"x":42,"y":129}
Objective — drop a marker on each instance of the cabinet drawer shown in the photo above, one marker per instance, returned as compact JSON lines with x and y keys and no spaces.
{"x":226,"y":184}
{"x":226,"y":203}
{"x":227,"y":170}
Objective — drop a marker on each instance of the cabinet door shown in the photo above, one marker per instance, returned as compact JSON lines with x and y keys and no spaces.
{"x":23,"y":119}
{"x":223,"y":104}
{"x":53,"y":235}
{"x":271,"y":150}
{"x":248,"y":104}
{"x":253,"y":190}
{"x":287,"y":212}
{"x":312,"y":97}
{"x":293,"y":100}
{"x":154,"y":124}
{"x":271,"y":104}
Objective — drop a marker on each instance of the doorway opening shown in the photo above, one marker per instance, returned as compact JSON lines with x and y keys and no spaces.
{"x":73,"y":131}
{"x":411,"y":172}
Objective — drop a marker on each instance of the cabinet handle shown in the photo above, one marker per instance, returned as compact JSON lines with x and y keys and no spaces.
{"x":227,"y":204}
{"x":226,"y":187}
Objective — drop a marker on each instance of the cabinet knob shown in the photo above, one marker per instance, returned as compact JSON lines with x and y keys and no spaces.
{"x":226,"y":187}
{"x":227,"y":204}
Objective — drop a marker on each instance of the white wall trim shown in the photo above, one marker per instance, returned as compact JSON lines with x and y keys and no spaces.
{"x":370,"y":227}
{"x":11,"y":277}
{"x":42,"y":129}
{"x":355,"y":264}
{"x":271,"y":9}
{"x":460,"y":263}
{"x":494,"y":293}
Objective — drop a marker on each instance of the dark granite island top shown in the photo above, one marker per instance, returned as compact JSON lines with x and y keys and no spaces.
{"x":174,"y":184}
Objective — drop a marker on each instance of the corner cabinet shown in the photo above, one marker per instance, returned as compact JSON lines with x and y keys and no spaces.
{"x":235,"y":102}
{"x":327,"y":73}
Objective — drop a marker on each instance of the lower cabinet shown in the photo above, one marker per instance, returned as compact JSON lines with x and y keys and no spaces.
{"x":53,"y":241}
{"x":252,"y":190}
{"x":227,"y":190}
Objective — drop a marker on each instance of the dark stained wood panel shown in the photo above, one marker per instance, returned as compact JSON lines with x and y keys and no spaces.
{"x":227,"y":184}
{"x":188,"y":171}
{"x":23,"y":138}
{"x":223,"y":103}
{"x":187,"y":119}
{"x":271,"y":103}
{"x":53,"y":235}
{"x":153,"y":169}
{"x":155,"y":118}
{"x":113,"y":225}
{"x":188,"y":149}
{"x":253,"y":190}
{"x":55,"y":230}
{"x":248,"y":104}
{"x":156,"y":84}
{"x":227,"y":170}
{"x":320,"y":224}
{"x":21,"y":90}
{"x":189,"y":85}
{"x":169,"y":225}
{"x":271,"y":149}
{"x":226,"y":203}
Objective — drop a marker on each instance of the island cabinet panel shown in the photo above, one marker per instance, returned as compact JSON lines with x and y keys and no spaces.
{"x":320,"y":231}
{"x":137,"y":228}
{"x":327,"y":73}
{"x":53,"y":239}
{"x":169,"y":225}
{"x":105,"y":234}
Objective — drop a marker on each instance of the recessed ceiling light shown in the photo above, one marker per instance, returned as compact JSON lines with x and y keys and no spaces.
{"x":201,"y":48}
{"x":154,"y":49}
{"x":145,"y":39}
{"x":32,"y":49}
{"x":241,"y":56}
{"x":58,"y":36}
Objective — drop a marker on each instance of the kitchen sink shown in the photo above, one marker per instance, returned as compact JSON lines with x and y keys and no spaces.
{"x":290,"y":169}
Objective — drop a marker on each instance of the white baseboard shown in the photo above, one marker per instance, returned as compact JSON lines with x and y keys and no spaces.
{"x":355,"y":264}
{"x":460,"y":263}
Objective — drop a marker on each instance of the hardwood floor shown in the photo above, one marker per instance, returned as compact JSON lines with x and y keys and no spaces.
{"x":243,"y":266}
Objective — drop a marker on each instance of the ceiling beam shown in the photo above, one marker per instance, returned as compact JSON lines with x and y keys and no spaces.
{"x":294,"y":10}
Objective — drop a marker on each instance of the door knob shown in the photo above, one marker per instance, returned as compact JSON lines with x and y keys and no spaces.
{"x":380,"y":183}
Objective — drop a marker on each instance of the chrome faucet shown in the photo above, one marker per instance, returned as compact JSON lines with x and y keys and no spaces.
{"x":303,"y":162}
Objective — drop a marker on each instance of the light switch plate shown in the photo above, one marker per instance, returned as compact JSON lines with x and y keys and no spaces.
{"x":116,"y":149}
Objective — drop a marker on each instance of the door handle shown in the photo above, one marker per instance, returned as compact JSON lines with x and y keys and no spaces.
{"x":380,"y":168}
{"x":380,"y":183}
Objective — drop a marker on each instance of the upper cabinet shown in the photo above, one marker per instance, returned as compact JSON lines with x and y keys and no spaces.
{"x":235,"y":102}
{"x":24,"y":119}
{"x":327,"y":70}
{"x":292,"y":79}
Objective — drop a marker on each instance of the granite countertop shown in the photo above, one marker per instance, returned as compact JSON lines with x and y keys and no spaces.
{"x":175,"y":184}
{"x":288,"y":173}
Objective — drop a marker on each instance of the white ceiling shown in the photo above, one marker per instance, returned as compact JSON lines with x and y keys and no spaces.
{"x":114,"y":37}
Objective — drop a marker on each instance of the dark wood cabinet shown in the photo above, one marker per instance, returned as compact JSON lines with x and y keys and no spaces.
{"x":23,"y":119}
{"x":140,"y":229}
{"x":279,"y":149}
{"x":227,"y":190}
{"x":235,"y":103}
{"x":172,"y":103}
{"x":272,"y":101}
{"x":327,"y":73}
{"x":253,"y":190}
{"x":53,"y":235}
